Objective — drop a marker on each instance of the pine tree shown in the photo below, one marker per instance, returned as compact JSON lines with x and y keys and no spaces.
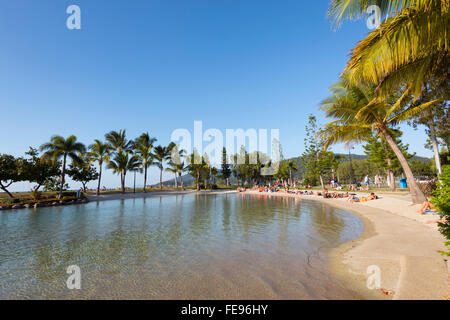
{"x":316,"y":160}
{"x":226,"y":170}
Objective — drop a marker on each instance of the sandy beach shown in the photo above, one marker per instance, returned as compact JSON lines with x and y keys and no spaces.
{"x":397,"y":239}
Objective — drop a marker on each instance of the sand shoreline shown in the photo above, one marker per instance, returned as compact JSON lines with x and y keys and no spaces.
{"x":398,"y":240}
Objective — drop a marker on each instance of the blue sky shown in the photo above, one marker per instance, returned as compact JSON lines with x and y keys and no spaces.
{"x":159,"y":65}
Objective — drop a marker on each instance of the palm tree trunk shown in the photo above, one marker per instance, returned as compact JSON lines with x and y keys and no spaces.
{"x":176,"y":181}
{"x":145,"y":177}
{"x":416,"y":194}
{"x":63,"y":173}
{"x":198,"y":181}
{"x":437,"y":159}
{"x":99,"y":177}
{"x":181,"y":181}
{"x":123,"y":175}
{"x":160,"y":179}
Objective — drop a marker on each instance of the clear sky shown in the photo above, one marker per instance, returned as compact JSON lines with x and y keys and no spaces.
{"x":159,"y":65}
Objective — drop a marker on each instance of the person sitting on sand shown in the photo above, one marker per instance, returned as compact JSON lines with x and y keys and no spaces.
{"x":372,"y":197}
{"x":353,"y":198}
{"x":426,"y":206}
{"x":363,"y":199}
{"x":437,"y":221}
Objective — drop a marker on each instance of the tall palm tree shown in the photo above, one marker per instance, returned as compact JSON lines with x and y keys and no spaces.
{"x":161,"y":154}
{"x":100,"y":152}
{"x":182,"y":167}
{"x":357,"y":114}
{"x":176,"y":164}
{"x":122,"y":163}
{"x":197,"y":165}
{"x":58,"y":148}
{"x":173,"y":167}
{"x":118,"y":141}
{"x":410,"y":48}
{"x":143,"y":148}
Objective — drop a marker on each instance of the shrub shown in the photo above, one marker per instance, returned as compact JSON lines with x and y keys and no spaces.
{"x":69,"y":193}
{"x":35,"y":194}
{"x":10,"y":201}
{"x":69,"y":198}
{"x":442,"y":201}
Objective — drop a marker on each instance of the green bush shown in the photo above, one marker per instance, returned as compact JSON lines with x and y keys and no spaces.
{"x":442,"y":201}
{"x":36,"y":195}
{"x":69,"y":198}
{"x":10,"y":201}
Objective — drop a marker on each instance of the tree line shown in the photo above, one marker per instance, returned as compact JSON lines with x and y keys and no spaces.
{"x":49,"y":165}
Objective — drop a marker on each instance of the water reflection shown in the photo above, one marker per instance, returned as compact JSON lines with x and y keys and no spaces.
{"x":195,"y":246}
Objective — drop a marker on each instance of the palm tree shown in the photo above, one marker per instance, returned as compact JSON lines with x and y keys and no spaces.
{"x":143,"y":148}
{"x":410,"y":48}
{"x":182,"y":167}
{"x":357,"y":114}
{"x":122,"y":163}
{"x":58,"y":148}
{"x":161,"y":154}
{"x":173,"y":167}
{"x":292,"y":166}
{"x":118,"y":142}
{"x":100,"y":152}
{"x":197,"y":165}
{"x":176,"y":164}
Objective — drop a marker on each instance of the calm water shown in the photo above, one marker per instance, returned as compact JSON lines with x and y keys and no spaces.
{"x":176,"y":247}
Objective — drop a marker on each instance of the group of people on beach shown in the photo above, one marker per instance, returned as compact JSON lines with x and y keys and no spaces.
{"x":427,"y":206}
{"x":352,"y":197}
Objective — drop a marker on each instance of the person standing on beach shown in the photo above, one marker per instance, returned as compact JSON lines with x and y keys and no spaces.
{"x":367,"y":180}
{"x":377,"y":180}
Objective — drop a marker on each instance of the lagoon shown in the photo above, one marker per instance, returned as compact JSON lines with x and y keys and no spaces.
{"x":222,"y":246}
